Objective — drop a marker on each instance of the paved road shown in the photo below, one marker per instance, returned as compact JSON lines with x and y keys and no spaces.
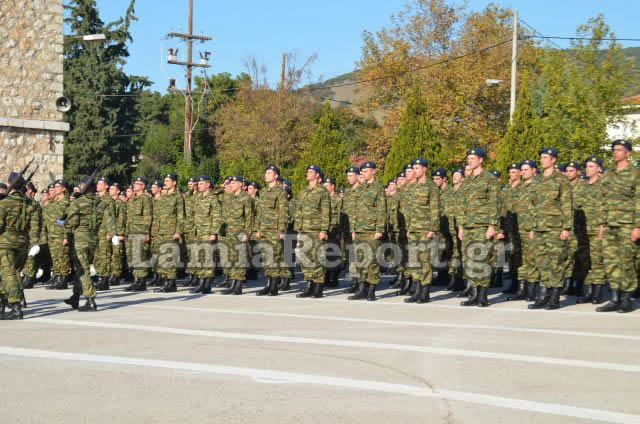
{"x":147,"y":358}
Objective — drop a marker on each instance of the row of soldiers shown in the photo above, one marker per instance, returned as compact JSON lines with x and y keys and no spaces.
{"x":557,"y":226}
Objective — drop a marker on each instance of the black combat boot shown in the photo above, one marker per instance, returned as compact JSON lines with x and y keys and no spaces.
{"x":597,"y":294}
{"x":229,"y":289}
{"x":169,"y":286}
{"x":363,"y":289}
{"x":483,"y":302}
{"x":531,"y":291}
{"x":237,"y":287}
{"x":226,"y":283}
{"x":567,"y":287}
{"x":114,"y":280}
{"x":186,"y":282}
{"x":284,"y":284}
{"x":513,"y":287}
{"x":317,"y":291}
{"x":51,"y":280}
{"x":453,"y":278}
{"x":626,"y":302}
{"x":89,"y":306}
{"x":62,"y":283}
{"x":28,"y":282}
{"x":521,"y":294}
{"x":103,"y":284}
{"x":398,"y":282}
{"x":542,"y":300}
{"x":15,"y":312}
{"x":554,"y":299}
{"x":371,"y":292}
{"x":406,"y":287}
{"x":206,"y":285}
{"x":353,"y":287}
{"x":588,"y":295}
{"x":474,"y":297}
{"x":273,"y":288}
{"x":613,"y":304}
{"x":267,"y":287}
{"x":139,"y":284}
{"x":199,"y":287}
{"x":496,"y":278}
{"x":73,"y":301}
{"x":466,"y":291}
{"x":308,"y":291}
{"x":415,"y":286}
{"x":3,"y":307}
{"x":423,"y":296}
{"x":416,"y":295}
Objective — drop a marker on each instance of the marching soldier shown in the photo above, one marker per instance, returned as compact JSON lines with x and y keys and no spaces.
{"x":332,"y":272}
{"x":439,"y":177}
{"x":32,"y":263}
{"x":271,"y":222}
{"x":450,"y":201}
{"x":348,"y":206}
{"x":190,"y":200}
{"x":553,"y":222}
{"x":509,"y":224}
{"x":398,"y":229}
{"x":138,"y":234}
{"x":55,"y":215}
{"x":479,"y":219}
{"x":312,"y":221}
{"x":574,"y":265}
{"x":117,"y":251}
{"x":423,"y":226}
{"x":620,"y":227}
{"x":102,"y":255}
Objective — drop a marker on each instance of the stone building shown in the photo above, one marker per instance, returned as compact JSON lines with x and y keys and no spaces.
{"x":31,"y":68}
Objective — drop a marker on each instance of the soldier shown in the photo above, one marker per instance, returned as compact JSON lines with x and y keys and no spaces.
{"x":312,"y":222}
{"x":237,"y":212}
{"x":226,"y":196}
{"x":509,"y":224}
{"x":450,"y":201}
{"x":3,"y":191}
{"x":207,"y":222}
{"x":84,"y":218}
{"x":271,"y":221}
{"x":398,"y":229}
{"x":117,"y":251}
{"x":170,"y":212}
{"x":423,"y":225}
{"x":287,"y":272}
{"x":348,"y":206}
{"x":102,"y":255}
{"x":586,"y":203}
{"x":406,"y":282}
{"x":19,"y":228}
{"x":32,"y":263}
{"x":138,"y":234}
{"x":574,"y":268}
{"x":392,"y":227}
{"x":439,"y":177}
{"x":54,"y":217}
{"x":253,"y":190}
{"x":620,"y":227}
{"x":333,"y":256}
{"x":479,"y":219}
{"x":553,"y":222}
{"x":190,"y":200}
{"x":155,"y":192}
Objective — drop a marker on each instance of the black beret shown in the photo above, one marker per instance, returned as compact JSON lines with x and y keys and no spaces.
{"x":204,"y":178}
{"x":273,"y":168}
{"x":193,"y":179}
{"x":420,"y":161}
{"x":340,"y":190}
{"x":528,"y":162}
{"x":61,"y":182}
{"x":330,"y":180}
{"x":50,"y":186}
{"x":549,"y":151}
{"x":172,"y":175}
{"x":104,"y":180}
{"x":572,"y":164}
{"x":368,"y":165}
{"x":408,"y":166}
{"x":583,"y":177}
{"x":237,"y":178}
{"x":254,"y":184}
{"x":458,"y":169}
{"x":560,"y":167}
{"x":315,"y":168}
{"x":353,"y":169}
{"x":142,"y":180}
{"x":392,"y":181}
{"x":624,"y":143}
{"x":495,"y":173}
{"x":401,"y":174}
{"x":116,"y":185}
{"x":440,"y":172}
{"x":515,"y":165}
{"x":595,"y":160}
{"x":477,"y":151}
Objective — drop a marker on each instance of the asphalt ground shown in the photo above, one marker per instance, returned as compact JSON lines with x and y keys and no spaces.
{"x":176,"y":358}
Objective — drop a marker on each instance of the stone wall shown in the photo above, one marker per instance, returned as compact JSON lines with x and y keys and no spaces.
{"x":31,"y":80}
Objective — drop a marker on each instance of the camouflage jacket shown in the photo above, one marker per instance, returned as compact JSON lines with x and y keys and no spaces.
{"x":480,"y":205}
{"x":190,"y":201}
{"x":336,"y":225}
{"x":83,"y":218}
{"x":423,"y":208}
{"x":207,"y":215}
{"x":139,"y":215}
{"x":53,"y":218}
{"x":349,"y":205}
{"x":272,"y":210}
{"x":522,"y":218}
{"x":620,"y":203}
{"x":449,"y":201}
{"x":370,"y":214}
{"x":551,"y":203}
{"x":393,"y":205}
{"x":169,"y":211}
{"x":404,"y":192}
{"x":120,"y":216}
{"x":587,"y":205}
{"x":237,"y":214}
{"x":20,"y":224}
{"x":313,"y":211}
{"x":107,"y":209}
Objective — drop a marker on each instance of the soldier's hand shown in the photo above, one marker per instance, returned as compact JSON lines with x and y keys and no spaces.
{"x":323,"y":235}
{"x":531,"y":235}
{"x":147,"y":237}
{"x":460,"y":233}
{"x":280,"y":235}
{"x":353,"y":235}
{"x":500,"y":236}
{"x":244,"y":238}
{"x":601,"y":232}
{"x":257,"y":235}
{"x":491,"y":231}
{"x":176,"y":236}
{"x":635,"y":234}
{"x":377,"y":236}
{"x":121,"y":238}
{"x":213,"y":237}
{"x":429,"y":235}
{"x":65,"y":242}
{"x":564,"y":235}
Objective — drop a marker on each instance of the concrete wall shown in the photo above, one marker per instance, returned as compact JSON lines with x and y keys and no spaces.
{"x":31,"y":79}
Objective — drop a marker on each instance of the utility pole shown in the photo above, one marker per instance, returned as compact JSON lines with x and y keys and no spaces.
{"x":514,"y":64}
{"x":188,"y":121}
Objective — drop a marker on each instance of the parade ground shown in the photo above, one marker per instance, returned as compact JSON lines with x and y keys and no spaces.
{"x":181,"y":358}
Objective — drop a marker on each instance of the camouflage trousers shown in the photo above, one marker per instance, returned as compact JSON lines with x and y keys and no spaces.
{"x":455,"y":262}
{"x":82,"y":249}
{"x":309,"y":250}
{"x":290,"y":242}
{"x":270,"y":249}
{"x":11,"y":260}
{"x":117,"y":260}
{"x":138,"y":255}
{"x":234,"y":257}
{"x":527,"y":269}
{"x":102,"y":256}
{"x":419,"y":257}
{"x":551,"y":256}
{"x":477,"y":253}
{"x":619,"y":257}
{"x":201,"y":256}
{"x":366,"y":263}
{"x":167,"y":256}
{"x":594,"y":265}
{"x":189,"y":238}
{"x":60,"y":257}
{"x":402,"y":247}
{"x":30,"y":267}
{"x":570,"y":262}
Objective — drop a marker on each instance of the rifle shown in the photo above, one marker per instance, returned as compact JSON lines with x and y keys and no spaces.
{"x":15,"y":180}
{"x":91,"y":177}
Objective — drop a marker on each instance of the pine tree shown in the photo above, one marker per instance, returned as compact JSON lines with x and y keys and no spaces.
{"x":524,"y":136}
{"x":415,"y":137}
{"x":326,"y":149}
{"x":103,"y":115}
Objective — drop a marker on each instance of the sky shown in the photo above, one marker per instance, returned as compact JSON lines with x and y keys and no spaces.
{"x":331,"y":29}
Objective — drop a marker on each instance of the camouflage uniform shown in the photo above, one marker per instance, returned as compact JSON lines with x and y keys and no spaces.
{"x":313,"y":214}
{"x":169,"y":211}
{"x":54,"y":216}
{"x":335,"y":234}
{"x":102,"y":254}
{"x":117,"y":252}
{"x":422,"y":216}
{"x":237,"y":212}
{"x":190,"y":202}
{"x":450,"y":201}
{"x":30,"y":267}
{"x":206,"y":221}
{"x":139,"y":217}
{"x":271,"y":221}
{"x":349,"y":206}
{"x":524,"y":223}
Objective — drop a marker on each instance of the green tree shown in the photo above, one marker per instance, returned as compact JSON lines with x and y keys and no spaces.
{"x":415,"y":137}
{"x":524,"y":137}
{"x":104,"y":99}
{"x":326,"y":149}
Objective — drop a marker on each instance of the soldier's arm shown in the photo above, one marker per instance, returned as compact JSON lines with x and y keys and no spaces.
{"x":182,"y":215}
{"x":122,"y":219}
{"x":73,"y":218}
{"x":216,"y":215}
{"x":381,"y":211}
{"x":249,"y":211}
{"x":35,"y":227}
{"x":566,"y":208}
{"x":147,"y":214}
{"x":434,"y":210}
{"x":283,"y":211}
{"x":325,"y":210}
{"x":493,"y":201}
{"x":636,"y":199}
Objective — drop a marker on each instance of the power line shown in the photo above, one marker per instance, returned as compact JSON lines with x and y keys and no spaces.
{"x":576,"y":38}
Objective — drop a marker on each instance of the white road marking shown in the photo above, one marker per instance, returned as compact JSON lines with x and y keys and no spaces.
{"x":398,"y":323}
{"x":274,"y":376}
{"x":576,"y":363}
